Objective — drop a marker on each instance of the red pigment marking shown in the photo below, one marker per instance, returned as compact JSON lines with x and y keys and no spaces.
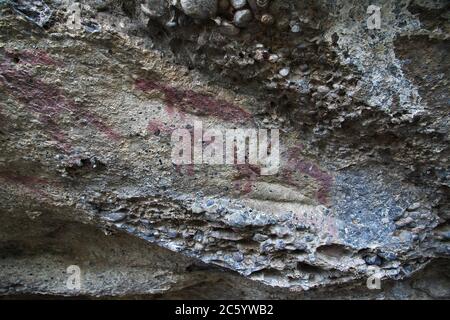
{"x":248,"y":174}
{"x":154,"y":126}
{"x":324,"y":179}
{"x":3,"y":121}
{"x":188,"y":101}
{"x":331,"y":226}
{"x":28,"y":182}
{"x":47,"y":100}
{"x":200,"y":104}
{"x":34,"y":57}
{"x":173,"y":114}
{"x":323,"y":223}
{"x":157,"y":127}
{"x":186,"y":169}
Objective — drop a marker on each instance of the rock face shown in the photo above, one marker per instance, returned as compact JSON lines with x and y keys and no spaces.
{"x":90,"y":97}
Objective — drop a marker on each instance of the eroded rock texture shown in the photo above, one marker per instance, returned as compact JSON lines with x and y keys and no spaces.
{"x":92,"y":90}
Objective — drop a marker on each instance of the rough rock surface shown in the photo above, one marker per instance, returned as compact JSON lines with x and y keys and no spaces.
{"x":90,"y":92}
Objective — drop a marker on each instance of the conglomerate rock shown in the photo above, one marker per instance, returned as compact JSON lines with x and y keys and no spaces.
{"x":90,"y":92}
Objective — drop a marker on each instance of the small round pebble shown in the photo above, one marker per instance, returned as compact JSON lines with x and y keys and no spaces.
{"x":284,"y":72}
{"x":295,"y":28}
{"x":238,"y":4}
{"x":267,"y":19}
{"x":242,"y":17}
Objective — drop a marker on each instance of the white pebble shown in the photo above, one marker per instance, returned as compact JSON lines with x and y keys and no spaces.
{"x":284,"y":72}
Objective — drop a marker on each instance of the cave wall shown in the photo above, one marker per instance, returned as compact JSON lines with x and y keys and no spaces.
{"x":90,"y":92}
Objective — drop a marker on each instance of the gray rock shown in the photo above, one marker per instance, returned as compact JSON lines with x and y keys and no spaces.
{"x":115,"y":216}
{"x":154,"y":8}
{"x":444,"y":235}
{"x":237,"y":219}
{"x":388,"y":256}
{"x":414,"y":206}
{"x":323,"y":89}
{"x":199,"y":9}
{"x":262,"y":3}
{"x":36,"y":11}
{"x":229,"y":29}
{"x":238,"y":4}
{"x":196,"y":208}
{"x":357,"y":153}
{"x":284,"y":72}
{"x":295,"y":28}
{"x":242,"y":18}
{"x":260,"y":237}
{"x":373,"y":260}
{"x":267,"y":19}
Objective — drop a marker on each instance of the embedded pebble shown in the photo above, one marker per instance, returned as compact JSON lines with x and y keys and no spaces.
{"x":211,"y":207}
{"x":274,"y":58}
{"x":199,"y":9}
{"x":172,"y":234}
{"x":267,"y":19}
{"x":260,"y":237}
{"x":262,"y":3}
{"x":444,"y":235}
{"x":280,"y":231}
{"x":237,"y":219}
{"x":405,"y":236}
{"x":198,"y":246}
{"x":259,"y":55}
{"x":295,"y":28}
{"x":414,"y":206}
{"x":242,"y":18}
{"x":238,"y":256}
{"x":229,"y":29}
{"x":373,"y":260}
{"x":404,"y":222}
{"x":115,"y":216}
{"x":238,"y":4}
{"x":389,"y":256}
{"x":322,"y":89}
{"x":284,"y":72}
{"x":197,"y":209}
